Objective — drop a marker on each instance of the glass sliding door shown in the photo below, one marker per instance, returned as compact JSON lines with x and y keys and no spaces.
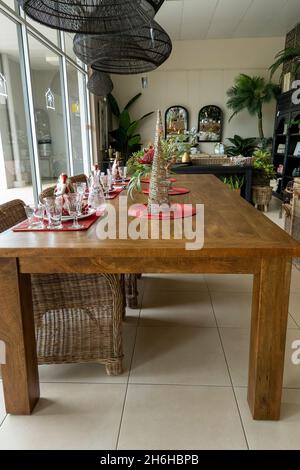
{"x":50,"y":33}
{"x":15,"y":159}
{"x":10,"y":3}
{"x":78,"y":120}
{"x":44,"y":110}
{"x":49,"y":109}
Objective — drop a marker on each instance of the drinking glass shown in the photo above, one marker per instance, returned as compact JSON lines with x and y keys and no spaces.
{"x":73,"y":202}
{"x":123,"y":173}
{"x":81,"y":188}
{"x":106,"y":181}
{"x":54,"y":206}
{"x":35,"y":216}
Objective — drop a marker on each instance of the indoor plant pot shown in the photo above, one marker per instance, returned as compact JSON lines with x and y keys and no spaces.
{"x":262,"y":175}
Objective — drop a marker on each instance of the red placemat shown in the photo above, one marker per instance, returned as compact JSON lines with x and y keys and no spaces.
{"x":115,"y":193}
{"x":67,"y":226}
{"x":178,"y":211}
{"x":173,"y":191}
{"x":147,"y":180}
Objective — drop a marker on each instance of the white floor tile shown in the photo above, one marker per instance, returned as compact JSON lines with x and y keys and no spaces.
{"x":229,"y":282}
{"x":292,"y":325}
{"x":175,"y":282}
{"x":232,"y":309}
{"x":2,"y":405}
{"x":268,"y":435}
{"x":295,"y":285}
{"x":91,"y":373}
{"x":69,"y":416}
{"x":172,"y":355}
{"x":164,"y":417}
{"x":236,"y":345}
{"x":177,"y":308}
{"x":295,"y":306}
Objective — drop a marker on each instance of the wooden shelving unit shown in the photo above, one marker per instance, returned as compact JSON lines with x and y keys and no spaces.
{"x":287,"y":135}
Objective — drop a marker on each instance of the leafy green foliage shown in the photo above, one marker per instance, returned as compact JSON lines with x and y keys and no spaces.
{"x":234,"y":181}
{"x":264,"y":168}
{"x":251,"y":93}
{"x":240,"y":146}
{"x":171,"y":150}
{"x":291,"y":54}
{"x":126,"y":138}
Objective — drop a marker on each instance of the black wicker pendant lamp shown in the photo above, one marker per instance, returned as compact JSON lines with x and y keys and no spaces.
{"x":156,"y":4}
{"x":100,"y":84}
{"x":138,"y":51}
{"x":91,"y":16}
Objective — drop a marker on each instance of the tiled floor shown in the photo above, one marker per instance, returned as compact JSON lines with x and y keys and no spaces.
{"x":186,"y":355}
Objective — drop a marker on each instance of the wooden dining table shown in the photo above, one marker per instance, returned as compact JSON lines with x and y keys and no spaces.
{"x":238,"y":239}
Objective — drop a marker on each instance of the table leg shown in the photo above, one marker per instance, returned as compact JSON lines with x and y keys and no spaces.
{"x":268,"y":336}
{"x":20,"y":372}
{"x":248,"y":185}
{"x":131,"y":290}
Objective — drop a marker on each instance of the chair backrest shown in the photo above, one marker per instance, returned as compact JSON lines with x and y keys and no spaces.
{"x":11,"y":213}
{"x":78,"y":178}
{"x":48,"y":192}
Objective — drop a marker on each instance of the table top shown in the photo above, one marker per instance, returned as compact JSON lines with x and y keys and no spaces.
{"x":233,"y":228}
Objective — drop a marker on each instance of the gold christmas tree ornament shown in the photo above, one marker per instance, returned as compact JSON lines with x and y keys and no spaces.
{"x":159,"y":185}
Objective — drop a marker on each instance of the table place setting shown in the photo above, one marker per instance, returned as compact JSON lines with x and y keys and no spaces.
{"x":74,"y":206}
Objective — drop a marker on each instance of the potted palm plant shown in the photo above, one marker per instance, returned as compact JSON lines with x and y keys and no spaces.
{"x":263,"y":173}
{"x":251,"y":93}
{"x":290,"y":54}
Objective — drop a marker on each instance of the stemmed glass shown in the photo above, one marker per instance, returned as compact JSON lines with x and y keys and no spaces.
{"x":73,"y":202}
{"x":123,"y":173}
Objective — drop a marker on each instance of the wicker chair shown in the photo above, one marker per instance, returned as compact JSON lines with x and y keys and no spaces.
{"x":130,"y":280}
{"x":79,"y":179}
{"x":49,"y":192}
{"x":78,"y":318}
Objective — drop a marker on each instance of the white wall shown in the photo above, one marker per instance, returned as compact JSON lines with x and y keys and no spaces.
{"x":200,"y":73}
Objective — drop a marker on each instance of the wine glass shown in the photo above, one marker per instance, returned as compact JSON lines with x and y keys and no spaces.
{"x":73,"y":202}
{"x":54,"y":206}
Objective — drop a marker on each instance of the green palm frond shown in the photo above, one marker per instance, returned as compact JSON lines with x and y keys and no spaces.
{"x":250,"y":93}
{"x":287,"y":55}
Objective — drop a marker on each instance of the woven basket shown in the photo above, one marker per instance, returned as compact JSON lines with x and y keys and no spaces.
{"x":210,"y":160}
{"x":261,"y":195}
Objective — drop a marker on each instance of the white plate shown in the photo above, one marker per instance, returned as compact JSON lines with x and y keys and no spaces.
{"x":83,"y":216}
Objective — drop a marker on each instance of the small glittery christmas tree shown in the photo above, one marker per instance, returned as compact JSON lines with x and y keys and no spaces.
{"x":159,"y":186}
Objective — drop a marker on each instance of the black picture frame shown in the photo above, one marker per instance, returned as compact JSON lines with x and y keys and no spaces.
{"x":215,"y":119}
{"x":180,"y":130}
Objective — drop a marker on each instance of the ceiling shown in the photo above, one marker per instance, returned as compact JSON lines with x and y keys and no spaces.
{"x":184,"y":20}
{"x":209,"y":19}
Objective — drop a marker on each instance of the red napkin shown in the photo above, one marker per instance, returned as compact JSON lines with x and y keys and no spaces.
{"x":67,"y":226}
{"x":173,"y":191}
{"x":114,"y":193}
